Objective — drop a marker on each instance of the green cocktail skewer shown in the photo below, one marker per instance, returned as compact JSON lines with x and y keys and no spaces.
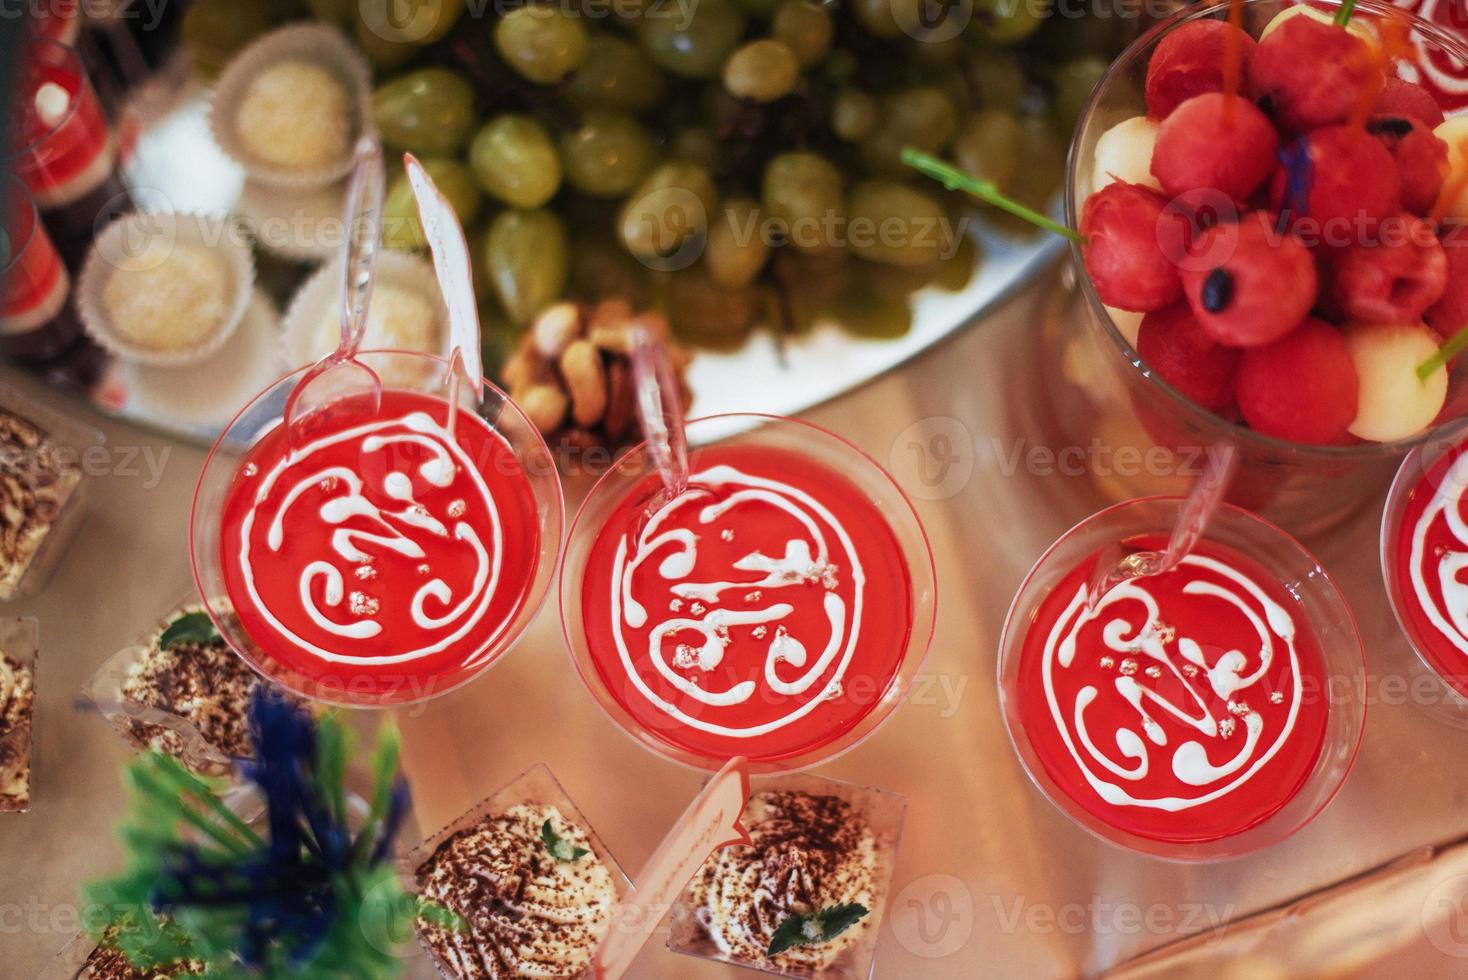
{"x":956,"y":180}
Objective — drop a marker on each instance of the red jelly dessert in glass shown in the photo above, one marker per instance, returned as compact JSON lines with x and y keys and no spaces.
{"x":389,"y":550}
{"x":771,"y":610}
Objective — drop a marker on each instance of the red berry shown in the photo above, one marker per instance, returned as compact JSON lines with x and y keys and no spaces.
{"x":1422,"y":159}
{"x":1186,"y":357}
{"x":1124,"y":225}
{"x":1215,"y":141}
{"x":1303,"y":388}
{"x":1450,"y":314}
{"x":1335,"y":181}
{"x":1190,"y":61}
{"x":1393,"y":280}
{"x":1248,"y":284}
{"x":1313,"y":74}
{"x":1400,"y":97}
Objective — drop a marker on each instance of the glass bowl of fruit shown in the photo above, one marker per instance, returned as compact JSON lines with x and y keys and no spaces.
{"x":1274,"y":212}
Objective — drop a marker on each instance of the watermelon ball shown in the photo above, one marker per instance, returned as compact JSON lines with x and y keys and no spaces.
{"x":1422,"y":159}
{"x":1302,"y":388}
{"x":1393,"y":280}
{"x":1175,"y":345}
{"x":1313,"y":74}
{"x":1215,"y":141}
{"x":1450,"y":314}
{"x":1190,"y":61}
{"x":1400,"y":97}
{"x":1259,"y":286}
{"x":1124,"y":225}
{"x":1394,"y":402}
{"x":1124,"y":152}
{"x":1335,"y":181}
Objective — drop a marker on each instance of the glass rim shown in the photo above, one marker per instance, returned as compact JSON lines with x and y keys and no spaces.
{"x":74,"y":60}
{"x":530,"y":610}
{"x":1183,"y":852}
{"x":1118,"y":69}
{"x":883,"y":708}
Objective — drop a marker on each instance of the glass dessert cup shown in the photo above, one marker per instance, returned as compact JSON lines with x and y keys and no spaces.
{"x":878,"y":813}
{"x":1434,"y":637}
{"x":861,"y":693}
{"x":524,"y":465}
{"x":1330,"y":681}
{"x":1152,"y":436}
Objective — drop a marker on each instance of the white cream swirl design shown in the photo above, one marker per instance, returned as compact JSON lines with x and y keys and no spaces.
{"x":1451,"y":616}
{"x":808,"y":559}
{"x":442,"y":618}
{"x":1116,"y":771}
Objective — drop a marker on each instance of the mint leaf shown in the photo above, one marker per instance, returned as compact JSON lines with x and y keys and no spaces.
{"x":194,"y":627}
{"x":560,"y":848}
{"x":815,"y":928}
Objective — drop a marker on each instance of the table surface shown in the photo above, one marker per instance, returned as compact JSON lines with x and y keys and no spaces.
{"x":991,"y":880}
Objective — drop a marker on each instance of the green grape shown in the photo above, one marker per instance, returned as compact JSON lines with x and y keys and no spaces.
{"x":988,"y":146}
{"x":665,"y":222}
{"x":997,"y":80}
{"x":429,"y":111}
{"x":876,"y":16}
{"x":384,"y":54}
{"x":602,"y":269}
{"x":699,"y":48}
{"x":956,"y":271}
{"x":696,"y":144}
{"x":892,"y":223}
{"x":1037,"y":182}
{"x":1008,"y":21}
{"x":401,"y":228}
{"x":805,"y":28}
{"x":802,"y":191}
{"x":542,"y":43}
{"x":213,"y":30}
{"x":527,"y":258}
{"x":762,"y":71}
{"x":514,"y":159}
{"x":617,"y":76}
{"x":922,"y":117}
{"x":412,"y":22}
{"x":854,"y":114}
{"x":607,"y":155}
{"x":706,"y":314}
{"x":1074,"y":83}
{"x":737,"y":249}
{"x":864,"y":312}
{"x":1070,"y":38}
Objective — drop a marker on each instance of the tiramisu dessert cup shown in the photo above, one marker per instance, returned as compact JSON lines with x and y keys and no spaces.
{"x":807,"y":896}
{"x":1196,"y":714}
{"x":533,"y":886}
{"x":18,"y":651}
{"x":772,"y":610}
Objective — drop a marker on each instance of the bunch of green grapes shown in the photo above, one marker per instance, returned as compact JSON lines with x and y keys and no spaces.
{"x":732,"y":162}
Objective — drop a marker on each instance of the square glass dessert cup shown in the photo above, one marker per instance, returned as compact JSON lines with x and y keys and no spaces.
{"x":635,"y":472}
{"x":50,"y":474}
{"x":412,"y":373}
{"x":1340,"y":691}
{"x":536,"y":786}
{"x":1109,"y":397}
{"x":19,"y":641}
{"x":883,"y":813}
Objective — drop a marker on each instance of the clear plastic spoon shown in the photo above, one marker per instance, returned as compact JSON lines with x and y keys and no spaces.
{"x":660,"y":407}
{"x":1115,"y":566}
{"x":339,"y":375}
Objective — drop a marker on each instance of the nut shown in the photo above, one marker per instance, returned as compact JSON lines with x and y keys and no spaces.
{"x":545,"y":405}
{"x":555,"y":328}
{"x":586,"y":382}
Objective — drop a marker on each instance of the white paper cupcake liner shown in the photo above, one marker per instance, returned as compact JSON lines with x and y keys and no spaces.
{"x":296,"y":225}
{"x":319,"y":298}
{"x":124,"y":238}
{"x":317,"y":44}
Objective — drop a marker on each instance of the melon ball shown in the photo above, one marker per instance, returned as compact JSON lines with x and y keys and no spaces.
{"x":1262,"y":286}
{"x":1421,"y":158}
{"x":295,"y":115}
{"x":1347,"y":179}
{"x":1124,"y":152}
{"x":1393,"y":280}
{"x":1124,"y":225}
{"x":1357,"y":28}
{"x":1189,"y":61}
{"x":1454,"y":132}
{"x":168,"y":297}
{"x":1400,"y":97}
{"x":1215,"y":142}
{"x":1450,"y":313}
{"x":1302,"y":388}
{"x":1176,"y":346}
{"x":1394,"y":403}
{"x":1313,"y":73}
{"x":1128,"y":323}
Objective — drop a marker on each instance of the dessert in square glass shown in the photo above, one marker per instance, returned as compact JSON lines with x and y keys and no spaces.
{"x":392,"y":554}
{"x":775,"y":609}
{"x":1271,"y":267}
{"x":18,"y":650}
{"x":1197,"y":714}
{"x":534,"y":885}
{"x":819,"y":849}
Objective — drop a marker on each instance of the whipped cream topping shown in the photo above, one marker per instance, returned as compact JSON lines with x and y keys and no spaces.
{"x":17,"y":701}
{"x":1444,"y":568}
{"x":526,"y":913}
{"x":808,"y":853}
